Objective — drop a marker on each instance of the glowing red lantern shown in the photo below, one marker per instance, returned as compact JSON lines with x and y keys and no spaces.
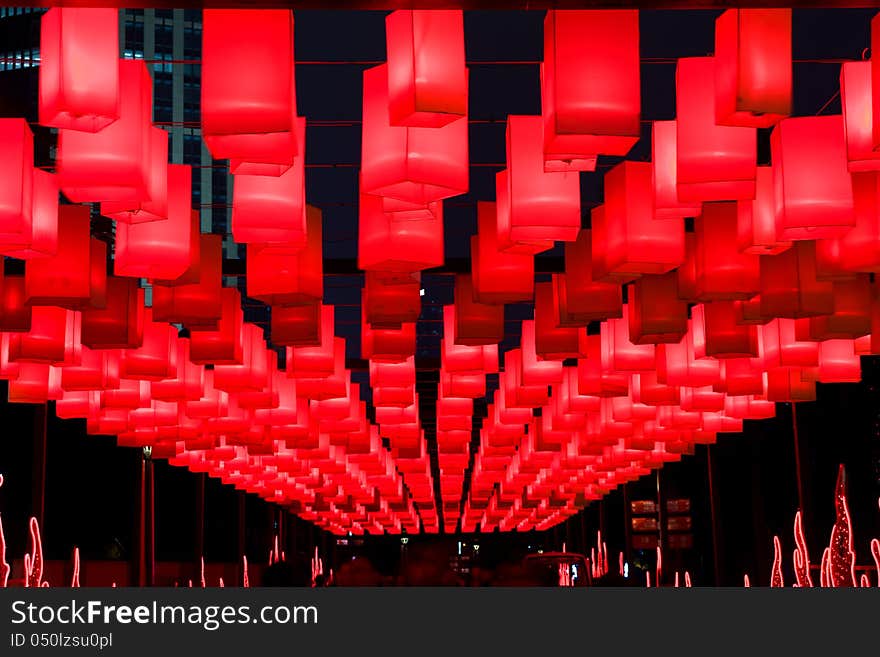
{"x":782,"y":348}
{"x":535,"y":369}
{"x":634,"y":242}
{"x":585,"y":115}
{"x":248,"y":101}
{"x":813,"y":188}
{"x":35,"y":236}
{"x":54,"y":338}
{"x":785,"y":384}
{"x":156,"y":358}
{"x":656,"y":314}
{"x":542,"y":206}
{"x":79,"y":68}
{"x":69,"y":279}
{"x":789,"y":285}
{"x":680,"y":365}
{"x":852,"y":312}
{"x":756,"y":219}
{"x":419,"y":165}
{"x":161,"y":249}
{"x":197,"y":303}
{"x":753,"y":67}
{"x":36,"y":383}
{"x":741,"y":376}
{"x":189,"y":382}
{"x":272,"y":209}
{"x":319,"y":359}
{"x":664,"y":153}
{"x":498,"y":277}
{"x":714,"y":162}
{"x":552,"y":341}
{"x":859,"y":249}
{"x":858,"y":120}
{"x":120,"y":324}
{"x":392,"y":299}
{"x":223,"y":344}
{"x":15,"y":314}
{"x":475,"y":323}
{"x":98,"y":370}
{"x":115,"y":163}
{"x":154,"y":207}
{"x":427,"y":78}
{"x":276,"y":277}
{"x":387,"y":245}
{"x":298,"y":326}
{"x":387,"y":344}
{"x":580,"y":299}
{"x":721,"y":271}
{"x":253,"y":373}
{"x":838,"y":362}
{"x":717,"y":334}
{"x":16,"y":190}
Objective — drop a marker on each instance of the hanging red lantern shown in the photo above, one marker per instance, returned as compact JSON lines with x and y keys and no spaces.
{"x":542,"y":206}
{"x":36,"y":236}
{"x":475,"y":323}
{"x":789,"y":285}
{"x":741,"y":376}
{"x":67,"y":278}
{"x":120,"y":324}
{"x":552,"y":341}
{"x":859,"y":249}
{"x":585,"y":115}
{"x":427,"y":78}
{"x":785,"y":384}
{"x":252,"y":374}
{"x":387,"y":344}
{"x":15,"y":313}
{"x":36,"y":383}
{"x":153,"y":207}
{"x":656,"y":314}
{"x":222,"y":345}
{"x":813,"y":188}
{"x":387,"y":245}
{"x":838,"y":362}
{"x":852,"y":312}
{"x":272,"y":209}
{"x":716,"y":331}
{"x":498,"y":277}
{"x":187,"y":385}
{"x":594,"y":379}
{"x":297,"y":326}
{"x":156,"y":358}
{"x":418,"y":165}
{"x":753,"y":67}
{"x":503,"y":222}
{"x":115,"y":163}
{"x":195,"y":304}
{"x":319,"y":359}
{"x":715,"y":162}
{"x":392,"y":299}
{"x":580,"y":299}
{"x":248,"y":101}
{"x":782,"y":348}
{"x":276,"y":277}
{"x":98,"y":370}
{"x":664,"y":154}
{"x":17,"y":188}
{"x":54,"y":338}
{"x":855,"y":99}
{"x":680,"y":365}
{"x":619,"y":352}
{"x":829,"y":261}
{"x":458,"y":358}
{"x":756,"y":219}
{"x":721,"y":271}
{"x":79,"y":68}
{"x":161,"y":249}
{"x":634,"y":242}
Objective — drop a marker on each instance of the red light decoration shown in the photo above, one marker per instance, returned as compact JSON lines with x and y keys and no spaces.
{"x":79,"y":70}
{"x":418,"y":165}
{"x":753,"y":67}
{"x":154,"y":206}
{"x":714,"y":162}
{"x":721,"y":272}
{"x":16,"y":190}
{"x":35,"y":236}
{"x":498,"y":277}
{"x":801,"y":556}
{"x":756,"y":219}
{"x":276,"y":277}
{"x":114,"y":164}
{"x":856,"y":90}
{"x":790,"y":287}
{"x":664,"y":154}
{"x":475,"y":323}
{"x":585,"y":115}
{"x":5,"y":568}
{"x":33,"y":560}
{"x":392,"y":299}
{"x":552,"y":341}
{"x":248,"y":101}
{"x":813,"y":189}
{"x":427,"y":78}
{"x":841,"y":560}
{"x":656,"y":314}
{"x":297,"y":326}
{"x":579,"y":299}
{"x":194,"y":304}
{"x":161,"y":249}
{"x":120,"y":324}
{"x":776,"y":580}
{"x":716,"y":332}
{"x":389,"y":245}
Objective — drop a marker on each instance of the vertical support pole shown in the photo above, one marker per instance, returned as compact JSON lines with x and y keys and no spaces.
{"x":200,"y":516}
{"x":714,"y":514}
{"x":145,"y":549}
{"x":242,"y":524}
{"x":38,"y":494}
{"x":661,"y":519}
{"x":799,"y":470}
{"x":140,"y":561}
{"x":150,"y":519}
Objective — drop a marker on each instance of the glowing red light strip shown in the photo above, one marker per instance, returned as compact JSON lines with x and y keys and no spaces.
{"x":875,"y":552}
{"x":74,"y":582}
{"x":5,"y":568}
{"x":801,"y":556}
{"x":245,"y":579}
{"x":746,"y":582}
{"x":687,"y":579}
{"x":33,"y":561}
{"x":203,"y":572}
{"x":842,"y":558}
{"x":776,"y":574}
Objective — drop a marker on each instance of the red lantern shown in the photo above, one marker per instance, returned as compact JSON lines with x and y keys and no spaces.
{"x":664,"y":154}
{"x":196,"y":304}
{"x":579,"y":299}
{"x":297,"y":326}
{"x":156,"y":358}
{"x":498,"y":277}
{"x":319,"y":359}
{"x":679,"y":364}
{"x":54,"y":338}
{"x":248,"y":101}
{"x":789,"y":286}
{"x":634,"y":242}
{"x":17,"y":188}
{"x":829,"y":261}
{"x":552,"y":341}
{"x":79,"y":68}
{"x":782,"y":348}
{"x":387,"y":344}
{"x":813,"y":188}
{"x":36,"y":236}
{"x":427,"y":78}
{"x":272,"y":209}
{"x":392,"y":299}
{"x":222,"y":345}
{"x":852,"y":312}
{"x":838,"y":362}
{"x":715,"y":162}
{"x":784,"y":384}
{"x":154,"y":206}
{"x":855,"y":99}
{"x":68,"y":279}
{"x":585,"y":115}
{"x":15,"y":314}
{"x":717,"y":334}
{"x":397,"y":246}
{"x":120,"y":324}
{"x":753,"y":67}
{"x":36,"y":383}
{"x":187,"y":385}
{"x":276,"y":277}
{"x":619,"y":353}
{"x":656,"y":314}
{"x":542,"y":207}
{"x":756,"y":219}
{"x":161,"y":249}
{"x":475,"y":323}
{"x":721,"y":271}
{"x":418,"y":165}
{"x":253,"y":373}
{"x":503,"y":222}
{"x":741,"y":376}
{"x":98,"y":370}
{"x":859,"y":249}
{"x":115,"y":163}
